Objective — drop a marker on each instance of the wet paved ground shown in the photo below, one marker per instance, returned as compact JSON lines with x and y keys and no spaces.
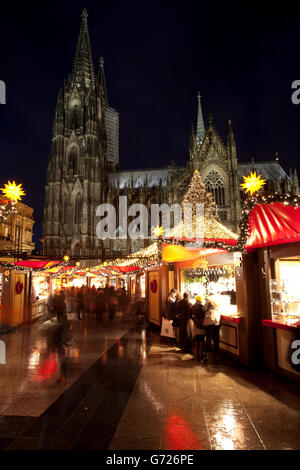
{"x":130,"y":391}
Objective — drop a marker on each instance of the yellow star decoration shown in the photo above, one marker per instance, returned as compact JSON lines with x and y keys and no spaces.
{"x":13,"y":191}
{"x":157,"y":231}
{"x":252,"y":183}
{"x":66,"y":258}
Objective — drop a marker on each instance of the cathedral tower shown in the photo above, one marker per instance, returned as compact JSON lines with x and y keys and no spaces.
{"x":218,"y":166}
{"x":84,"y":150}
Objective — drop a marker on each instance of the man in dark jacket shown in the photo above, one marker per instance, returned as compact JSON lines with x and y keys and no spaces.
{"x":184,"y":310}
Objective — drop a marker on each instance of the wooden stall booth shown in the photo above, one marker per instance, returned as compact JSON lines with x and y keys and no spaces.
{"x":40,"y":285}
{"x":223,"y":274}
{"x":14,"y":298}
{"x":216,"y":266}
{"x":25,"y":287}
{"x":274,"y":232}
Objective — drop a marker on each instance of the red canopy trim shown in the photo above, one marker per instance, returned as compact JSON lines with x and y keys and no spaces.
{"x":272,"y":224}
{"x":270,"y":220}
{"x":37,"y":264}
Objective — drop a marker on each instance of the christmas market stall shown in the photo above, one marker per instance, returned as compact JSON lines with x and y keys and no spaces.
{"x":25,"y":287}
{"x":271,"y":228}
{"x":204,"y":266}
{"x":138,"y":272}
{"x":210,"y":271}
{"x":213,"y":264}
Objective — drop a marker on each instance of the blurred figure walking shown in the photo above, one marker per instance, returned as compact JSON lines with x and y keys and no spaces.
{"x":60,"y":306}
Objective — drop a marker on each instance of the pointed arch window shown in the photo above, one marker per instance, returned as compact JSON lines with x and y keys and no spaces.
{"x":73,"y":160}
{"x":78,"y":209}
{"x":214,"y":183}
{"x":65,"y":210}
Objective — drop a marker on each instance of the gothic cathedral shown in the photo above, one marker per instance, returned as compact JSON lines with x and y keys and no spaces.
{"x":84,"y":171}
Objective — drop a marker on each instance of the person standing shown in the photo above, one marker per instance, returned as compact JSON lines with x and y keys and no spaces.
{"x":184,"y":310}
{"x":198,"y":315}
{"x":212,"y":325}
{"x":176,"y":318}
{"x":170,"y":304}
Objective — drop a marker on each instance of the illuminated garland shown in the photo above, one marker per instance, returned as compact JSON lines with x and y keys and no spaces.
{"x":204,"y":244}
{"x":26,"y":268}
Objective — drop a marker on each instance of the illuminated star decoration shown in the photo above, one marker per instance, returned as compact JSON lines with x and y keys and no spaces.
{"x":157,"y":231}
{"x":13,"y":191}
{"x":252,"y":183}
{"x":66,"y":258}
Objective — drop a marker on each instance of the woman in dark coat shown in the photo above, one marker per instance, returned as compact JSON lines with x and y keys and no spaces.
{"x":184,"y":310}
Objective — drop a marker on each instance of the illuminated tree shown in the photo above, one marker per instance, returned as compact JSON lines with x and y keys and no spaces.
{"x":197,"y":194}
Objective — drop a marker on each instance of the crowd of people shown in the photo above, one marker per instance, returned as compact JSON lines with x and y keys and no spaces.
{"x":88,"y":301}
{"x":196,"y":325}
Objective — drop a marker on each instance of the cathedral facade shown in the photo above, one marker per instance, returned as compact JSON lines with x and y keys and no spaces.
{"x":84,"y":170}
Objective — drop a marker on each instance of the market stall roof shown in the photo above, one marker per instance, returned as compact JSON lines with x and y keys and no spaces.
{"x":139,"y":259}
{"x":215,"y":238}
{"x":212,"y":230}
{"x":37,"y":264}
{"x":273,"y":224}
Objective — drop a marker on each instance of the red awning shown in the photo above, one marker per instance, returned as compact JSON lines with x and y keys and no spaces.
{"x":37,"y":264}
{"x":273,"y":224}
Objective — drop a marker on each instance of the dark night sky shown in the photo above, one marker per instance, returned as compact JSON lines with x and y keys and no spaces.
{"x":157,"y":56}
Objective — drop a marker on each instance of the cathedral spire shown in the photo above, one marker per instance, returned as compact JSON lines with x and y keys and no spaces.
{"x":230,"y":136}
{"x":83,"y":68}
{"x":192,"y":137}
{"x":102,"y":82}
{"x":200,"y":123}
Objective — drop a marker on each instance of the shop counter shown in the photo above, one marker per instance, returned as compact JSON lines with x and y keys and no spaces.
{"x":229,"y":333}
{"x":282,"y":325}
{"x":285,"y":333}
{"x":230,"y":318}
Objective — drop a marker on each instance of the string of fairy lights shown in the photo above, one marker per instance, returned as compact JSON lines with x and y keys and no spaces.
{"x":215,"y":236}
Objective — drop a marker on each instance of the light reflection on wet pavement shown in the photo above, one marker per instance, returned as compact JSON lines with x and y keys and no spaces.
{"x":178,"y":404}
{"x":122,"y":395}
{"x":28,"y":382}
